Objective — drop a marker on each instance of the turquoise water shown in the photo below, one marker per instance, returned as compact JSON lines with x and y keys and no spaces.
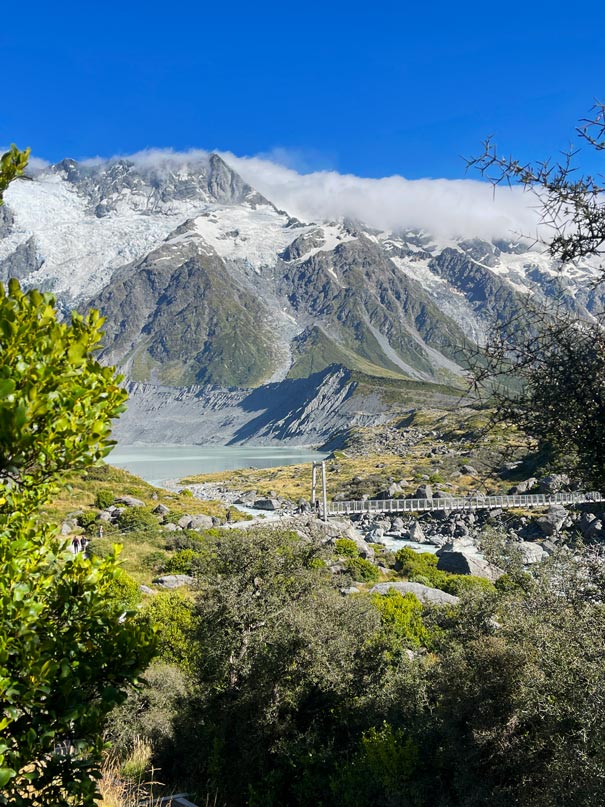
{"x":157,"y":464}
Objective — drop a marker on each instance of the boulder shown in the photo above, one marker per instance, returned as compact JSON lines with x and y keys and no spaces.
{"x":469,"y":470}
{"x":466,"y":561}
{"x":524,"y":487}
{"x":595,"y":530}
{"x":554,"y":483}
{"x":417,"y":533}
{"x":397,"y":525}
{"x":129,"y":501}
{"x":349,"y":590}
{"x":174,"y":581}
{"x":266,"y":504}
{"x":161,"y":510}
{"x":423,"y":492}
{"x":553,"y":520}
{"x":170,"y":527}
{"x":425,"y":594}
{"x":531,"y":552}
{"x":105,"y":516}
{"x":184,"y":522}
{"x":374,"y":536}
{"x":200,"y":522}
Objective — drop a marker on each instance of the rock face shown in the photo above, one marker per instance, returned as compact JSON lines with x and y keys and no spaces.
{"x":425,"y":594}
{"x":467,"y":562}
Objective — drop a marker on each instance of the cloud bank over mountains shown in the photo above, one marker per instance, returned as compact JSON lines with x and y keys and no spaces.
{"x":446,"y":208}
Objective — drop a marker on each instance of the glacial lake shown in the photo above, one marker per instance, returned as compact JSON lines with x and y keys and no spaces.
{"x":158,"y":464}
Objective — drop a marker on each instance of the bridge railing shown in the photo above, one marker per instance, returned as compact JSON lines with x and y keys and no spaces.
{"x":461,"y":503}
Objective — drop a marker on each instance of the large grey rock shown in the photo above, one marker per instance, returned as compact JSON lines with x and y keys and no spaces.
{"x":531,"y":552}
{"x":417,"y":533}
{"x":129,"y":501}
{"x":524,"y":487}
{"x":161,"y":510}
{"x":423,"y":492}
{"x":201,"y":522}
{"x":554,"y":483}
{"x":553,"y":520}
{"x":184,"y":522}
{"x":397,"y":525}
{"x":425,"y":594}
{"x":174,"y":581}
{"x":266,"y":504}
{"x":467,"y":562}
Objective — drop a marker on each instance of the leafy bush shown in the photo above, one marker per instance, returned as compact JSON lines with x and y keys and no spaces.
{"x":155,"y":560}
{"x":459,"y":584}
{"x":88,"y":520}
{"x":346,"y":547}
{"x":138,"y":518}
{"x":401,"y":617}
{"x":181,"y":562}
{"x":172,"y":615}
{"x":104,"y":499}
{"x":100,"y":547}
{"x":380,"y":772}
{"x":185,"y":539}
{"x":362,"y":570}
{"x":125,"y":591}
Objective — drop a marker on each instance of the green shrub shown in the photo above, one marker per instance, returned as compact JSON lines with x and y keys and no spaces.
{"x":104,"y":499}
{"x":88,"y":520}
{"x":346,"y":547}
{"x":125,"y":590}
{"x":362,"y":570}
{"x":100,"y":547}
{"x":155,"y":560}
{"x":459,"y":584}
{"x":181,"y":562}
{"x":185,"y":539}
{"x":138,"y":518}
{"x":420,"y":567}
{"x":173,"y":616}
{"x":401,"y":617}
{"x":380,"y":772}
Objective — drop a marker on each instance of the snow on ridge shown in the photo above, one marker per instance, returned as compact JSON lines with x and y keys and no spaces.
{"x":253,"y":235}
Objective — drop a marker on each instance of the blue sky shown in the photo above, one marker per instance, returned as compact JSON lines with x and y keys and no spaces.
{"x":374,"y":90}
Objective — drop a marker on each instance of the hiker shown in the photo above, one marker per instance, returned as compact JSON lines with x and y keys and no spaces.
{"x":75,"y":544}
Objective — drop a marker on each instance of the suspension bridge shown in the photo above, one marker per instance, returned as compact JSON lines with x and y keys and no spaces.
{"x":459,"y":503}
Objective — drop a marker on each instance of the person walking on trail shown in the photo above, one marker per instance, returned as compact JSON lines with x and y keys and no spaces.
{"x":75,"y":544}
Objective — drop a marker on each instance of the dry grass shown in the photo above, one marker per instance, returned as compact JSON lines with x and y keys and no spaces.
{"x":451,"y":441}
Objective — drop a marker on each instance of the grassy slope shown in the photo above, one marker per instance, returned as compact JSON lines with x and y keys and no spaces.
{"x":80,"y":491}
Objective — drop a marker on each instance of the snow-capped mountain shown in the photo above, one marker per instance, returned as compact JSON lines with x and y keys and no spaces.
{"x":204,"y":281}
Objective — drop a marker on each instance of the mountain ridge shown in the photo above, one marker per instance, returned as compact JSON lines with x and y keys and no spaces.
{"x":204,"y":281}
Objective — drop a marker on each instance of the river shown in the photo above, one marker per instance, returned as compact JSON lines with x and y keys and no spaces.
{"x":157,"y":464}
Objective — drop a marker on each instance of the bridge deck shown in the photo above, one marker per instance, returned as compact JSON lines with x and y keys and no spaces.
{"x":460,"y":503}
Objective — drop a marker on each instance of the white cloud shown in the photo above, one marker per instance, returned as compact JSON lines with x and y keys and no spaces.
{"x":462,"y":207}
